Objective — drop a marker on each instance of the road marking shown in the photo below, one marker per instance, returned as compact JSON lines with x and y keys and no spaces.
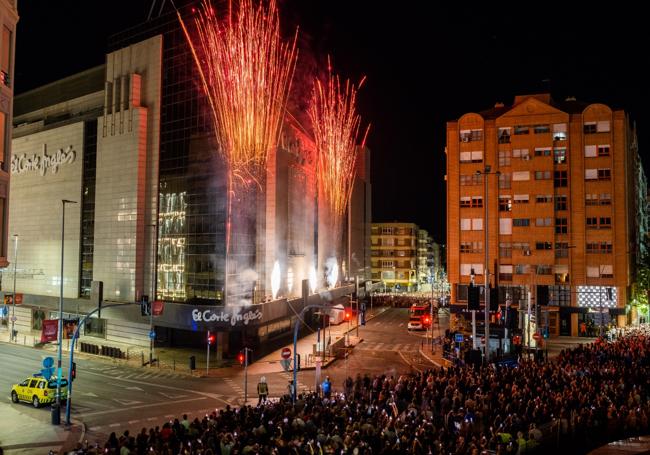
{"x":152,"y":405}
{"x":151,"y":419}
{"x":113,"y":425}
{"x":409,"y":363}
{"x":131,"y":422}
{"x":170,"y":396}
{"x":135,"y":388}
{"x":124,"y":402}
{"x":94,"y":428}
{"x":89,"y":394}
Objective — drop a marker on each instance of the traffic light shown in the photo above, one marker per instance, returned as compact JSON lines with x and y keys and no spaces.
{"x":73,"y":372}
{"x":297,"y":362}
{"x":494,"y":299}
{"x":145,"y":306}
{"x":241,"y":358}
{"x":426,"y":319}
{"x":473,"y":298}
{"x":348,"y":314}
{"x":211,"y":338}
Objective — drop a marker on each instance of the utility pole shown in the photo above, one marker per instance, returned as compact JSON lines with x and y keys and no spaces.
{"x":246,"y":375}
{"x":154,"y":255}
{"x":13,"y":298}
{"x":207,"y":361}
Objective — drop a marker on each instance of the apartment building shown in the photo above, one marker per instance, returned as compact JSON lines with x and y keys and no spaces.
{"x":394,"y":255}
{"x":424,"y":268}
{"x":562,"y":187}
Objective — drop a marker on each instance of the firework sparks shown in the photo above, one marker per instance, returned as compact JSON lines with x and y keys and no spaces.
{"x":246,"y":71}
{"x":336,"y":128}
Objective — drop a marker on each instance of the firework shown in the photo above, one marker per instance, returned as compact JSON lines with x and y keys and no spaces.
{"x":336,"y":128}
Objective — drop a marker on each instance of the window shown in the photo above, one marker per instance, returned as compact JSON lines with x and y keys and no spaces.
{"x":542,"y":175}
{"x":591,"y":199}
{"x":590,"y":151}
{"x":591,"y":174}
{"x":471,"y":135}
{"x":477,"y":224}
{"x":603,"y":150}
{"x":521,"y":154}
{"x":465,"y":201}
{"x":504,"y":135}
{"x":477,"y":201}
{"x":521,"y":222}
{"x":561,"y":226}
{"x":471,"y":157}
{"x":505,"y":226}
{"x":559,"y":131}
{"x":543,"y":222}
{"x":599,"y":248}
{"x":561,"y":250}
{"x":504,"y":181}
{"x":543,"y":246}
{"x":592,"y":222}
{"x":95,"y":327}
{"x":589,"y":127}
{"x":505,"y":272}
{"x":606,"y":271}
{"x":541,"y":129}
{"x":505,"y":249}
{"x":504,"y":157}
{"x":605,"y":222}
{"x":561,"y":273}
{"x":559,"y":295}
{"x":505,"y":204}
{"x":471,"y":179}
{"x":521,"y":269}
{"x":544,"y":269}
{"x":605,"y":199}
{"x":521,"y":199}
{"x":521,"y":130}
{"x":604,"y":174}
{"x":387,"y":230}
{"x":543,"y":198}
{"x":5,"y":59}
{"x":520,"y":176}
{"x":524,"y":247}
{"x":545,"y":151}
{"x":560,"y":179}
{"x":465,"y":269}
{"x":602,"y":126}
{"x":387,"y":264}
{"x":471,"y":247}
{"x":560,"y":202}
{"x":559,"y":155}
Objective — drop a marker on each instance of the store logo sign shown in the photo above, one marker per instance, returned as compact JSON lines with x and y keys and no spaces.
{"x":233,"y":317}
{"x":41,"y":163}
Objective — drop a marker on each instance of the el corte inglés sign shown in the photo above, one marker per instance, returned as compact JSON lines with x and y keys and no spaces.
{"x":233,"y":317}
{"x":41,"y":163}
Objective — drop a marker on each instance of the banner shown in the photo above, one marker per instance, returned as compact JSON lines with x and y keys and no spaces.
{"x":50,"y":330}
{"x":157,"y":307}
{"x":69,"y":326}
{"x":9,"y":299}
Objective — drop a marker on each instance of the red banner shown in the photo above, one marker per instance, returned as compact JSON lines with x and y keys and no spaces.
{"x":50,"y":330}
{"x":157,"y":307}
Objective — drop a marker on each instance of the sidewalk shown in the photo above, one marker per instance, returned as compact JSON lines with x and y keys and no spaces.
{"x":22,"y":434}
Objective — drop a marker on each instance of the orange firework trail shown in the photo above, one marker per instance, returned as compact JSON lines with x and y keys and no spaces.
{"x":336,"y":127}
{"x":246,"y":71}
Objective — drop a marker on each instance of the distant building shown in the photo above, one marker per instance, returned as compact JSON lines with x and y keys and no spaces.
{"x":8,"y":20}
{"x":394,"y":255}
{"x":424,"y":270}
{"x":566,"y":202}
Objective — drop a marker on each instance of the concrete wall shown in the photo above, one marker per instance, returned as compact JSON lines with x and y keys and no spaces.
{"x":36,"y":210}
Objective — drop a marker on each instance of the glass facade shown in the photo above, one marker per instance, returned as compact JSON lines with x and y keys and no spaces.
{"x":192,"y":177}
{"x":88,"y":208}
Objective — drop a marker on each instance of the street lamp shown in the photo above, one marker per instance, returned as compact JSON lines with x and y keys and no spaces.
{"x":486,"y":272}
{"x":13,"y":299}
{"x":56,"y":409}
{"x":154,"y":257}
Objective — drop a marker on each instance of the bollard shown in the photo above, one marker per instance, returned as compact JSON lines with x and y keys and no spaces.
{"x":192,"y":363}
{"x":142,"y":356}
{"x":174,"y":364}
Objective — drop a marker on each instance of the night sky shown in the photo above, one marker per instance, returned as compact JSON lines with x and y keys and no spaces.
{"x":425,"y":62}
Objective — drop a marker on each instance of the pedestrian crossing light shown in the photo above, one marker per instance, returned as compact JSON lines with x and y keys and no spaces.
{"x":348,"y":315}
{"x":73,"y":372}
{"x":240,"y":357}
{"x":211,"y":339}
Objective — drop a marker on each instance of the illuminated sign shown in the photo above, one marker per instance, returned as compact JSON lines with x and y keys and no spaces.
{"x":233,"y":317}
{"x":41,"y":163}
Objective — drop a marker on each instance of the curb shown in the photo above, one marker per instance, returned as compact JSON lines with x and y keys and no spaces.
{"x":422,"y":353}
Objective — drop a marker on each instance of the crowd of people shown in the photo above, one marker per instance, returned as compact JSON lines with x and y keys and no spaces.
{"x":585,"y":397}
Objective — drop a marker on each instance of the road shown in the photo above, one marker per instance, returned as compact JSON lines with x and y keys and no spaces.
{"x":109,"y":396}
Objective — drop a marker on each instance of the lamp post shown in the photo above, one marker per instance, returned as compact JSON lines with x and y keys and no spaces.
{"x":486,"y":270}
{"x":154,"y":256}
{"x":13,"y":299}
{"x":56,"y":409}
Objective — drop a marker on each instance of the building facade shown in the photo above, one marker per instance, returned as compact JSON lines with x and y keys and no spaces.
{"x":561,"y":180}
{"x":8,"y":20}
{"x":130,"y":143}
{"x":394,"y":250}
{"x":424,"y":270}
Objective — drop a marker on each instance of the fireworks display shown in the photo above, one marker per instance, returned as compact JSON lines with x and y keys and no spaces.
{"x":336,"y":126}
{"x":246,"y":71}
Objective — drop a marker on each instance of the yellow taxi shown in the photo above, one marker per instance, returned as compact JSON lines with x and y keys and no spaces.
{"x":38,"y":390}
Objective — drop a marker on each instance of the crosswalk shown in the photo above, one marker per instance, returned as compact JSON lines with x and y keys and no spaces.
{"x":376,"y":346}
{"x":129,"y":373}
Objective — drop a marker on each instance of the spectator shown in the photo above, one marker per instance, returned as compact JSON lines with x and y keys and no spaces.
{"x":262,"y":390}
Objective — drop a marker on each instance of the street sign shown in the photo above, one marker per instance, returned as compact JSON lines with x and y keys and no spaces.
{"x":459,"y":338}
{"x":285,"y":364}
{"x":286,"y":353}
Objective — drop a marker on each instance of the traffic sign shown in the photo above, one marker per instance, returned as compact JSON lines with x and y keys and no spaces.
{"x":459,"y":338}
{"x":286,"y":353}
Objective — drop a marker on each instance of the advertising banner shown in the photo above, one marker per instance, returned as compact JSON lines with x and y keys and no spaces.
{"x":69,"y":326}
{"x":50,"y":330}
